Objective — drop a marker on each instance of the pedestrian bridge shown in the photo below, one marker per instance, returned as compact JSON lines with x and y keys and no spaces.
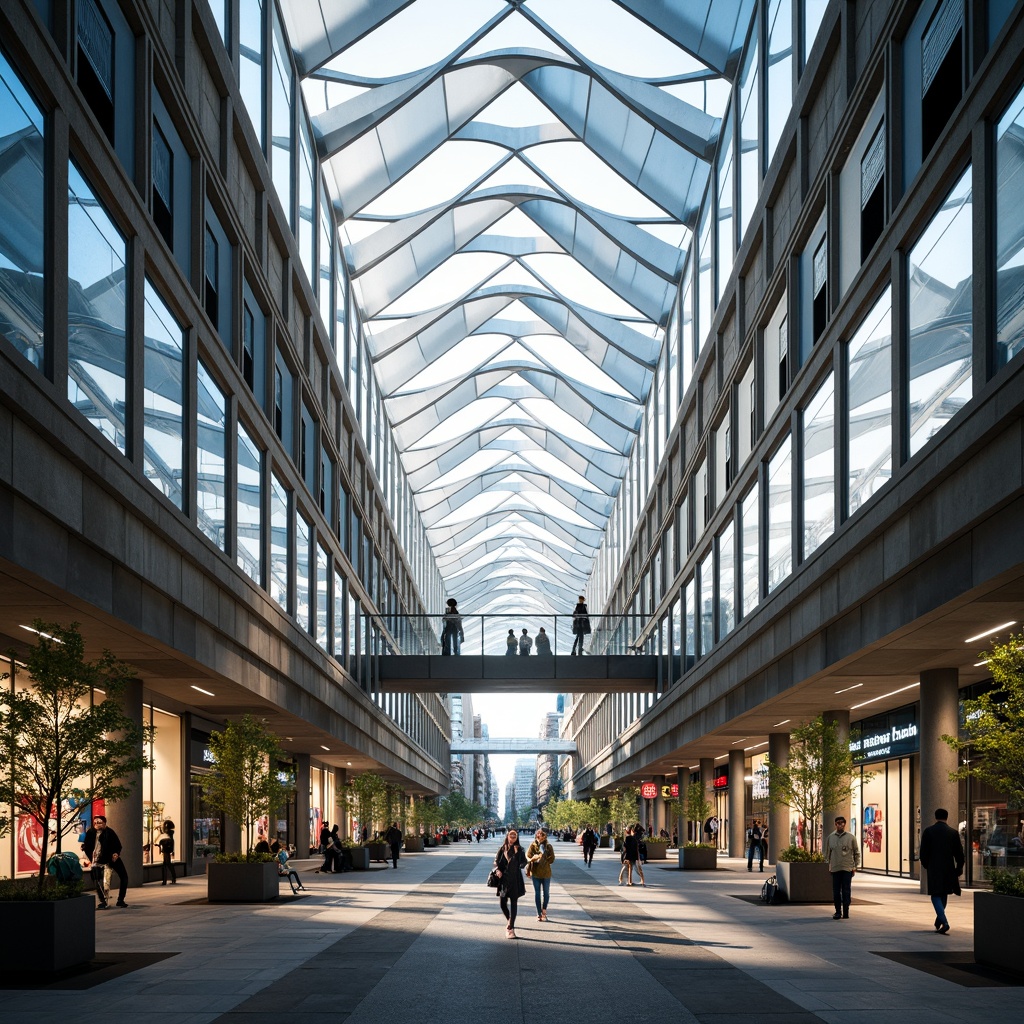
{"x":508,"y":745}
{"x":482,"y":673}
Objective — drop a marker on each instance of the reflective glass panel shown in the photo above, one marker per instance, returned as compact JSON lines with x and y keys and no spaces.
{"x":1010,"y":232}
{"x":726,"y":245}
{"x":690,"y":603}
{"x":780,"y":71}
{"x":96,"y":312}
{"x":869,"y":387}
{"x":281,"y":119}
{"x":780,"y":515}
{"x":939,"y":301}
{"x":749,"y":165}
{"x":278,"y":575}
{"x":819,"y":482}
{"x":326,"y":262}
{"x":250,"y":506}
{"x":706,"y":573}
{"x":323,"y":609}
{"x":750,"y":517}
{"x":250,"y":62}
{"x":306,"y":205}
{"x":339,"y":617}
{"x":814,"y":11}
{"x":22,"y":218}
{"x":211,"y":440}
{"x":726,"y":581}
{"x":303,"y":536}
{"x":164,"y":399}
{"x":705,"y":295}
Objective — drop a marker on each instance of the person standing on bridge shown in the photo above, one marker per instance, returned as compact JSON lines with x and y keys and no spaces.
{"x":509,"y":862}
{"x":543,"y":644}
{"x":580,"y":625}
{"x":452,"y":635}
{"x":525,"y":644}
{"x":511,"y":644}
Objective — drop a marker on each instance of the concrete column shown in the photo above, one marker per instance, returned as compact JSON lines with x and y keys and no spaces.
{"x":302,"y":805}
{"x":778,"y":815}
{"x":939,"y":714}
{"x":125,"y":816}
{"x":681,"y":781}
{"x":737,"y":805}
{"x":339,"y":813}
{"x":829,"y":814}
{"x":707,"y":781}
{"x":643,"y":812}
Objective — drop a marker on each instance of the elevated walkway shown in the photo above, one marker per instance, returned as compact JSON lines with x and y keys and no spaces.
{"x":508,"y":745}
{"x":601,"y":673}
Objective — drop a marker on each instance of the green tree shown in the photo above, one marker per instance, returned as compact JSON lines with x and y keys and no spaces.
{"x":244,"y":783}
{"x":458,"y":810}
{"x":622,"y":806}
{"x":363,"y":796}
{"x":819,"y":775}
{"x":60,"y":743}
{"x":698,"y":806}
{"x":992,"y":746}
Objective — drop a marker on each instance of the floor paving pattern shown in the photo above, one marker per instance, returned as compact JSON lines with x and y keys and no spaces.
{"x":398,"y":945}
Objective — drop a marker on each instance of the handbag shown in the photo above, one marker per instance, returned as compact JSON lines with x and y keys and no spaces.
{"x":770,"y":890}
{"x":529,"y":870}
{"x":493,"y":881}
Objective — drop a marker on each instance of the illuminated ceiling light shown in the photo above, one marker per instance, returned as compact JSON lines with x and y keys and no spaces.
{"x":742,"y":740}
{"x":322,"y":747}
{"x":978,"y":664}
{"x":892,"y":693}
{"x":693,"y":767}
{"x":846,"y":689}
{"x":39,"y":632}
{"x":989,"y":632}
{"x":349,"y":763}
{"x":721,"y":757}
{"x":785,"y":721}
{"x":201,"y":690}
{"x":756,"y":745}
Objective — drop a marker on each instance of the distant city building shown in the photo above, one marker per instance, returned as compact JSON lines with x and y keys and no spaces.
{"x":524,"y":778}
{"x":547,"y":764}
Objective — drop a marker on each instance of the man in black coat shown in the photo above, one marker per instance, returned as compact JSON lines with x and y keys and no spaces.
{"x":942,"y":856}
{"x":393,"y":837}
{"x":102,"y":846}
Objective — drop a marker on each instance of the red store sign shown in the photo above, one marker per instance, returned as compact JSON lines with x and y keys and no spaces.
{"x":649,"y":790}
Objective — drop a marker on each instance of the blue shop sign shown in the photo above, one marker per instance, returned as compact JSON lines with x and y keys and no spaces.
{"x":894,"y":734}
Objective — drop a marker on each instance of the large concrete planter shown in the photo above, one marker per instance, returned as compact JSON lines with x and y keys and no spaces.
{"x":697,"y":858}
{"x":657,"y":851}
{"x":379,"y":851}
{"x":242,"y":883}
{"x":604,"y":842}
{"x":618,"y":844}
{"x":45,"y":936}
{"x":999,"y":931}
{"x":360,"y":858}
{"x":413,"y":845}
{"x":803,"y":882}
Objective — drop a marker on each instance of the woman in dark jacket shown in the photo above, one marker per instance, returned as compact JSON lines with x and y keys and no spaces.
{"x":509,"y":862}
{"x":580,"y":625}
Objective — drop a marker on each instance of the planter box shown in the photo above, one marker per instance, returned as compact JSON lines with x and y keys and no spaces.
{"x":242,"y":883}
{"x":413,"y":845}
{"x":604,"y":842}
{"x":48,"y":935}
{"x":360,"y":858}
{"x":618,"y":845}
{"x":697,"y":858}
{"x":801,"y":882}
{"x":379,"y":851}
{"x":657,"y":851}
{"x":999,"y":931}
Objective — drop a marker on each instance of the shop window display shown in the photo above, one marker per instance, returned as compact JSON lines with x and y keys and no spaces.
{"x":161,"y":783}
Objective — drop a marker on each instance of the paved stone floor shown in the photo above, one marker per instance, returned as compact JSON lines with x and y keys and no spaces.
{"x":395,"y":946}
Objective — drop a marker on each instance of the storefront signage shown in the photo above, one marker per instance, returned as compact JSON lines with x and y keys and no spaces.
{"x":759,"y":783}
{"x":890,"y":735}
{"x":722,"y":777}
{"x":670,"y":792}
{"x":649,"y":790}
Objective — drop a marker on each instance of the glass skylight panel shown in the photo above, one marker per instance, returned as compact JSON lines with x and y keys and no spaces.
{"x":471,"y":417}
{"x":516,"y":33}
{"x":575,"y":283}
{"x":514,"y":172}
{"x":674,"y":234}
{"x":710,"y":94}
{"x":545,"y":411}
{"x":516,"y":107}
{"x":453,"y":278}
{"x":577,"y":366}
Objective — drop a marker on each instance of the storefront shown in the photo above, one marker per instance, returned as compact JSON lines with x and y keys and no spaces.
{"x":206,"y":836}
{"x":322,"y":802}
{"x":884,"y":813}
{"x":720,"y":799}
{"x":162,"y":782}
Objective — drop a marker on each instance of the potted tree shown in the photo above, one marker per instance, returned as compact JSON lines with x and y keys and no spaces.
{"x":697,"y":856}
{"x":62,"y":751}
{"x":818,"y":776}
{"x":244,"y":785}
{"x":623,"y":810}
{"x":363,"y":794}
{"x":990,"y":745}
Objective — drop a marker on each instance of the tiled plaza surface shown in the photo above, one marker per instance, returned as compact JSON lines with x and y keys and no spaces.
{"x":428,"y":938}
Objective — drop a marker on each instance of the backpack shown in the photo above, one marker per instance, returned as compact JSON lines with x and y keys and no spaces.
{"x":65,"y":868}
{"x":770,"y":890}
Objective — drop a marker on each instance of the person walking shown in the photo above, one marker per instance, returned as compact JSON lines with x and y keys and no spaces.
{"x":589,"y":845}
{"x":631,"y":857}
{"x":842,"y":855}
{"x":452,"y":635}
{"x":543,"y":644}
{"x":540,"y":856}
{"x":511,"y":644}
{"x":165,"y":844}
{"x":711,"y":830}
{"x":509,"y":862}
{"x":525,"y":644}
{"x":580,"y":625}
{"x":942,"y":856}
{"x":103,"y":846}
{"x":754,"y":843}
{"x":325,"y":837}
{"x":393,"y":837}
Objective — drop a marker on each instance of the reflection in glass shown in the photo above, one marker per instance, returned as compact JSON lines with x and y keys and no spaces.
{"x":780,"y":515}
{"x":22,"y":245}
{"x":306,"y":210}
{"x":249,"y":548}
{"x":707,"y":603}
{"x":705,"y":303}
{"x":326,"y":261}
{"x":278,"y":543}
{"x":1010,"y":232}
{"x":939,"y":300}
{"x":749,"y":170}
{"x":211,"y":459}
{"x":163,"y":398}
{"x":690,"y":612}
{"x":339,"y":617}
{"x":281,"y":119}
{"x":819,"y":484}
{"x":814,"y":11}
{"x":869,"y":386}
{"x":726,"y":581}
{"x":303,"y":535}
{"x":725,"y":247}
{"x":96,"y":312}
{"x":750,"y":518}
{"x":250,"y":62}
{"x":780,"y":71}
{"x":323,"y":610}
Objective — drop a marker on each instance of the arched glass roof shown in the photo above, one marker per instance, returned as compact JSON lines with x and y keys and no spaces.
{"x":518,"y":183}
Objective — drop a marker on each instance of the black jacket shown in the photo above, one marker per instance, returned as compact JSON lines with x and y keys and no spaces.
{"x":100,"y":846}
{"x":942,"y":856}
{"x":580,"y":619}
{"x":393,"y":837}
{"x":511,"y":864}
